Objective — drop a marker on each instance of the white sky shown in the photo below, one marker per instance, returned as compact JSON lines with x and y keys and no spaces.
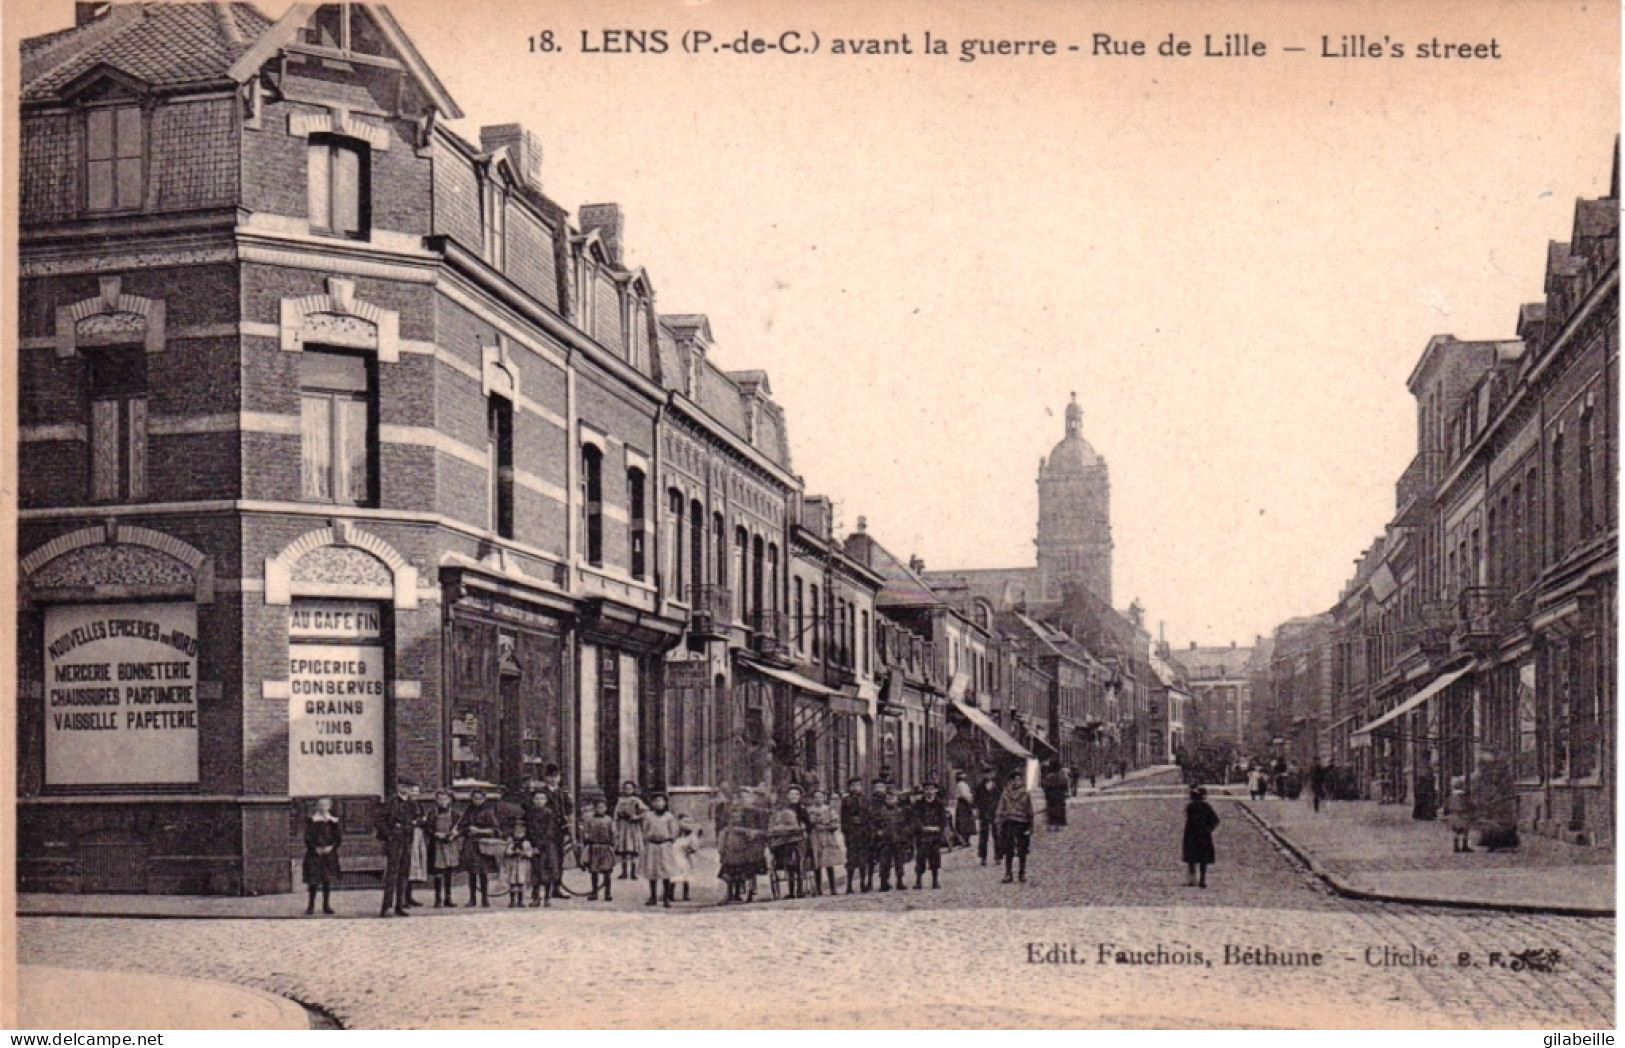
{"x":1235,"y":263}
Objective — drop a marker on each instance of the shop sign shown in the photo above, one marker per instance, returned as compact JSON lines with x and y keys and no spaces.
{"x":121,"y":694}
{"x":693,"y":673}
{"x":336,"y":701}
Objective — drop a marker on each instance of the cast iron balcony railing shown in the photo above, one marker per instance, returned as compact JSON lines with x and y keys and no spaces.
{"x":768,"y":632}
{"x":713,"y":610}
{"x":1478,"y":616}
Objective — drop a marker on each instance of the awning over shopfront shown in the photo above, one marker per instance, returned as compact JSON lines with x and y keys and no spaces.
{"x":1439,"y":684}
{"x":992,"y":730}
{"x":791,"y":678}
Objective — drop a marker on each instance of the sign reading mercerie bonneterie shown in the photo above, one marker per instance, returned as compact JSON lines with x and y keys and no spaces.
{"x":336,"y":699}
{"x":120,"y":694}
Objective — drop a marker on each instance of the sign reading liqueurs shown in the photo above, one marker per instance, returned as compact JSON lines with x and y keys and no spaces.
{"x":120,"y":694}
{"x":336,"y":699}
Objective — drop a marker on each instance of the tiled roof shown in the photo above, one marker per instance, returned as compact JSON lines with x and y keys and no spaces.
{"x":902,"y":587}
{"x":157,"y":43}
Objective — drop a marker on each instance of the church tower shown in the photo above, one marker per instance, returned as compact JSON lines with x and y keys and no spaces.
{"x":1074,"y":515}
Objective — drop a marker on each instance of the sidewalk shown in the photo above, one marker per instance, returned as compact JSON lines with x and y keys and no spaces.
{"x":71,"y":999}
{"x":1377,"y":851}
{"x":352,"y":903}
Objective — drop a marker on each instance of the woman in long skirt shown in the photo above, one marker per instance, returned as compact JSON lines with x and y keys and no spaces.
{"x":1057,"y":787}
{"x":418,"y":865}
{"x":657,"y":863}
{"x":1197,"y":846}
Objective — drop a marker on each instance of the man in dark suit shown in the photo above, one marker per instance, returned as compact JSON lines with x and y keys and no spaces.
{"x":395,"y":819}
{"x":986,"y":800}
{"x":561,"y":802}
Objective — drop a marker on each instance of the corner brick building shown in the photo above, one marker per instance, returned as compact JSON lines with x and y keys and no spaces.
{"x":345,"y":456}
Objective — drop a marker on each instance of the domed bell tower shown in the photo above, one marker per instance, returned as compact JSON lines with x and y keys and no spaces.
{"x":1074,"y":515}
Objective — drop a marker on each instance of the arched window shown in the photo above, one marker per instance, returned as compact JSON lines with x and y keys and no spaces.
{"x":592,"y":503}
{"x":696,"y":547}
{"x":741,"y":577}
{"x":674,"y":543}
{"x":634,"y":511}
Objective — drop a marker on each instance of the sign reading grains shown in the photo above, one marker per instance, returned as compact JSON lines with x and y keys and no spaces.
{"x":120,"y":694}
{"x":336,"y":699}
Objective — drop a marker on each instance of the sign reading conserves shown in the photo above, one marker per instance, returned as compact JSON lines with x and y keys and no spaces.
{"x":120,"y":694}
{"x":336,"y":700}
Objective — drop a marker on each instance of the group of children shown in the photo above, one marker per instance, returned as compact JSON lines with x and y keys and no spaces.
{"x":866,"y":834}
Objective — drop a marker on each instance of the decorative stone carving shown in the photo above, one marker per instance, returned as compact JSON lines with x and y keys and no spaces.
{"x":341,"y":565}
{"x":120,"y":565}
{"x":340,"y":318}
{"x":111,"y":316}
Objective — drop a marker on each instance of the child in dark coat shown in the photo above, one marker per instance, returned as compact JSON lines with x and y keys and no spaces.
{"x":323,"y":835}
{"x":928,"y":820}
{"x":1197,"y":847}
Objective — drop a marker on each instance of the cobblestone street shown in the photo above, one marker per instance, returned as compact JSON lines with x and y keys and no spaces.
{"x":959,"y":956}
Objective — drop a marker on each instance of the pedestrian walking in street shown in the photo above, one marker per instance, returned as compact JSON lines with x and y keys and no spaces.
{"x":855,"y":832}
{"x":964,"y":811}
{"x":827,"y":843}
{"x":440,"y":825}
{"x":544,"y":824}
{"x":743,"y":856}
{"x":480,"y":830}
{"x":929,"y":824}
{"x":1197,"y":846}
{"x":683,"y":852}
{"x":986,"y":799}
{"x":323,"y":835}
{"x":419,"y":864}
{"x":1317,"y":783}
{"x":516,"y":864}
{"x":1257,"y":784}
{"x":657,"y":862}
{"x":629,"y":813}
{"x":1014,"y":818}
{"x":1458,"y":813}
{"x":598,"y":849}
{"x":397,"y":817}
{"x":1426,"y":804}
{"x":1056,"y":789}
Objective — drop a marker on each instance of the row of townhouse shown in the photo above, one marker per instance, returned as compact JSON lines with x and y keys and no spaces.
{"x":1477,"y":635}
{"x":346,"y":456}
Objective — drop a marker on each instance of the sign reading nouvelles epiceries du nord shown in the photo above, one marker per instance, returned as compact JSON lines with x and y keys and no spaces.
{"x":120,"y":694}
{"x":336,"y":699}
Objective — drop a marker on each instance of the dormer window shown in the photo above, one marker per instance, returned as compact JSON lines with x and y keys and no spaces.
{"x":494,"y":223}
{"x":114,"y":149}
{"x":339,"y":186}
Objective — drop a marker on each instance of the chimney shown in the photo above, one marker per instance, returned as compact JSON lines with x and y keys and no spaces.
{"x":88,"y":11}
{"x":606,"y":219}
{"x":525,"y":152}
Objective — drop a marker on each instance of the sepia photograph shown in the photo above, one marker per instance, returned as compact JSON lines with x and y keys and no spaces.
{"x":749,"y":515}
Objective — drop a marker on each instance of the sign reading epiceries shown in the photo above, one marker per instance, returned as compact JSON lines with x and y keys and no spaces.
{"x":336,"y":699}
{"x":120,"y":694}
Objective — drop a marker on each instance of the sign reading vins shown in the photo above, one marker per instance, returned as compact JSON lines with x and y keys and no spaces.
{"x":336,"y":699}
{"x":120,"y":694}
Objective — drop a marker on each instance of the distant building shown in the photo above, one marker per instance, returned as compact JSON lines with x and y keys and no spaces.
{"x":1220,"y":682}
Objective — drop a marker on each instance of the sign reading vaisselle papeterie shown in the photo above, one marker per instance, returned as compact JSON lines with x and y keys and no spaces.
{"x":121,"y":694}
{"x":336,"y":699}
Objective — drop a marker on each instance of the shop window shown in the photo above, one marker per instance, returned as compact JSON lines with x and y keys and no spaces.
{"x":115,"y":139}
{"x":337,"y":412}
{"x":635,"y":527}
{"x":592,"y":504}
{"x":499,"y":443}
{"x":118,"y":423}
{"x":339,"y":186}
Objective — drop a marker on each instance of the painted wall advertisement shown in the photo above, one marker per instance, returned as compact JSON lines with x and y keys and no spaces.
{"x":121,"y":694}
{"x":336,"y":699}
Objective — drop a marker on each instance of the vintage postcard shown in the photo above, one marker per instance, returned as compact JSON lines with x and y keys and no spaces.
{"x":729,"y":513}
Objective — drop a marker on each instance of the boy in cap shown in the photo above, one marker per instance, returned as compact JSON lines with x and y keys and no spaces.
{"x":928,"y":821}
